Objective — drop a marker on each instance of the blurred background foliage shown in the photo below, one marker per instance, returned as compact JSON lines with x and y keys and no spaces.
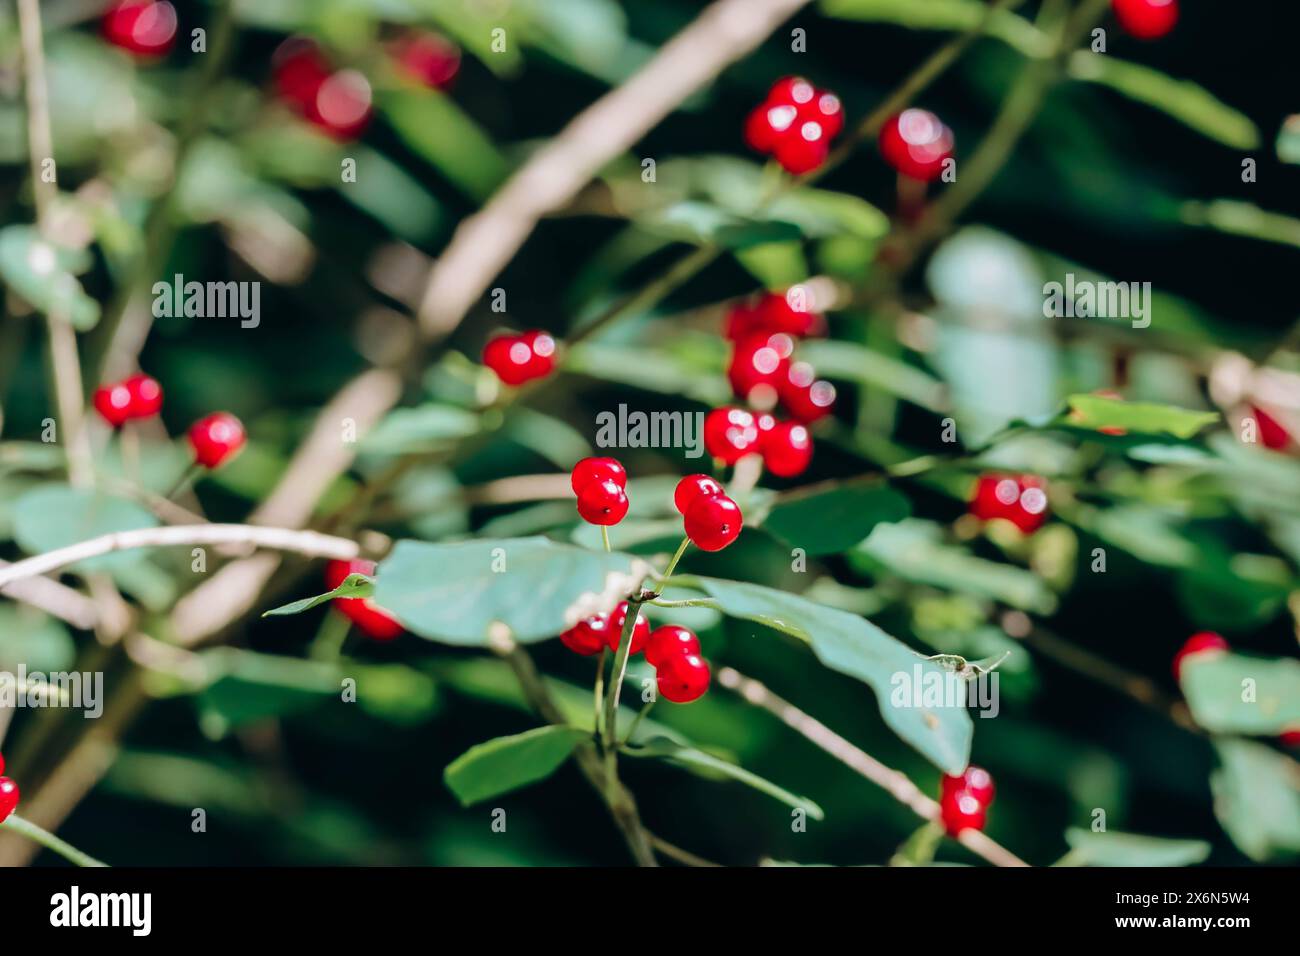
{"x":1132,"y":171}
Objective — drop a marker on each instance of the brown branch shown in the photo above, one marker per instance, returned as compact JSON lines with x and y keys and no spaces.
{"x":893,"y":782}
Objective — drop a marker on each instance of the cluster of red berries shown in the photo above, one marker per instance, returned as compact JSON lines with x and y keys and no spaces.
{"x":143,"y":28}
{"x":520,"y":358}
{"x":8,"y":794}
{"x":917,"y":144}
{"x":1021,"y":500}
{"x":371,"y":619}
{"x":710,"y":518}
{"x":139,"y":396}
{"x":681,"y":674}
{"x":1146,"y":19}
{"x":795,"y":124}
{"x":762,"y":372}
{"x":964,"y":800}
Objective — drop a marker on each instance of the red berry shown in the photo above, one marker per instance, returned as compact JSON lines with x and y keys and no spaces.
{"x":216,"y":438}
{"x":146,"y":396}
{"x":8,"y":797}
{"x":1205,"y":643}
{"x":144,"y":28}
{"x":371,"y":619}
{"x":667,"y":642}
{"x":597,"y":469}
{"x":692,"y":487}
{"x":614,"y":632}
{"x":827,"y":110}
{"x":767,"y":124}
{"x":791,"y":313}
{"x":1289,"y":737}
{"x":713,"y":523}
{"x":1272,"y":433}
{"x":602,"y":502}
{"x":1146,"y":19}
{"x":792,"y":91}
{"x":976,"y":781}
{"x":541,"y":348}
{"x":760,"y":360}
{"x":730,"y":434}
{"x":682,"y":678}
{"x":916,"y":144}
{"x":961,"y":810}
{"x":587,"y":637}
{"x":742,"y":322}
{"x":804,"y":148}
{"x":787,"y":449}
{"x":341,"y":106}
{"x":428,"y":57}
{"x":113,"y":402}
{"x":2,"y":763}
{"x":299,"y":69}
{"x":510,"y":357}
{"x":807,"y":397}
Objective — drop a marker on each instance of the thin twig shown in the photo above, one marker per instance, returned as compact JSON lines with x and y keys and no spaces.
{"x":48,"y":840}
{"x":893,"y":782}
{"x":674,"y":852}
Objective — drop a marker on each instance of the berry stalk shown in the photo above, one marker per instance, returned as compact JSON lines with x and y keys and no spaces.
{"x":50,"y":841}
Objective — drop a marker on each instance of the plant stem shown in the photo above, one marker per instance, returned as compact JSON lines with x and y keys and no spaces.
{"x":604,"y":536}
{"x":600,"y":690}
{"x":48,"y":840}
{"x":672,"y":566}
{"x":186,"y":479}
{"x":636,"y":722}
{"x":672,"y":851}
{"x":328,"y":643}
{"x":616,"y":681}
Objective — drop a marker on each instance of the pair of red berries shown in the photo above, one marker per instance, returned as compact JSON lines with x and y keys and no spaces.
{"x":1146,"y":19}
{"x":917,"y":144}
{"x":964,"y":800}
{"x":143,"y":28}
{"x":709,"y":517}
{"x":520,"y":358}
{"x":795,"y":124}
{"x":8,"y":794}
{"x":371,"y":619}
{"x":593,"y":634}
{"x":337,"y":102}
{"x":1022,"y":500}
{"x":601,"y":487}
{"x":731,"y":434}
{"x":136,"y":397}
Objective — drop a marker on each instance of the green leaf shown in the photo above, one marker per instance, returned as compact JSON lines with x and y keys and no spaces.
{"x":1238,"y":218}
{"x":1114,"y":848}
{"x":775,"y":264}
{"x":55,"y":516}
{"x":707,"y":765}
{"x":454,"y":593}
{"x":503,"y":764}
{"x":436,"y":128}
{"x":42,"y":274}
{"x":1215,"y":686}
{"x":857,"y":363}
{"x":914,"y":550}
{"x":1257,"y":800}
{"x":1096,"y":412}
{"x":1288,"y":140}
{"x":1185,"y":101}
{"x":353,"y":586}
{"x":33,"y":638}
{"x":391,"y":195}
{"x":419,"y":429}
{"x":853,"y":645}
{"x":956,"y":15}
{"x":833,"y":521}
{"x":242,"y":687}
